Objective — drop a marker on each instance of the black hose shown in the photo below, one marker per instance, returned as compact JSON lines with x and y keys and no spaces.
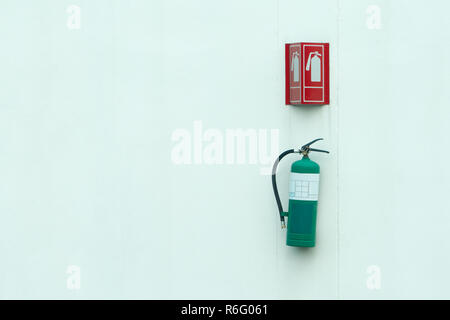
{"x":274,"y":184}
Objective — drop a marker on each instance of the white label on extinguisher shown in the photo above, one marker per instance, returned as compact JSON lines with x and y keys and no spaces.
{"x":304,"y":186}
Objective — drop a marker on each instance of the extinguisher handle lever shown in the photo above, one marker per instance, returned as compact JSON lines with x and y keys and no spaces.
{"x":319,"y":150}
{"x":310,"y":143}
{"x":306,"y":148}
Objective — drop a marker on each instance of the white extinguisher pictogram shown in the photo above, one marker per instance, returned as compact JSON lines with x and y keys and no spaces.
{"x":314,"y":65}
{"x":295,"y":66}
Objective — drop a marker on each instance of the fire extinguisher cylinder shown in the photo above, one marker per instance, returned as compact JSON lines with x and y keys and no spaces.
{"x":303,"y":197}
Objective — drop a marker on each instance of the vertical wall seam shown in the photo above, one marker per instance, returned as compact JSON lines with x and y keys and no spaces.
{"x":338,"y":272}
{"x":278,"y":234}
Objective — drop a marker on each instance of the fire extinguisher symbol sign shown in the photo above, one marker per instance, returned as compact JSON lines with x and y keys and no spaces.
{"x":312,"y":64}
{"x":307,"y":73}
{"x":295,"y":73}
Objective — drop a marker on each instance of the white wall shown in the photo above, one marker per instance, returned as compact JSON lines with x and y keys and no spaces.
{"x":87,"y":177}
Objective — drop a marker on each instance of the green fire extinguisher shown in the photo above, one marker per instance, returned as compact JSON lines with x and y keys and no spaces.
{"x":303,"y":196}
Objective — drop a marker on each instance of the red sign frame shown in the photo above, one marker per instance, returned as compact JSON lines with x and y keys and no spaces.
{"x":307,"y":73}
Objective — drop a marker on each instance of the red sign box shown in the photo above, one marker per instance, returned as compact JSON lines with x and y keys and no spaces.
{"x":307,"y":73}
